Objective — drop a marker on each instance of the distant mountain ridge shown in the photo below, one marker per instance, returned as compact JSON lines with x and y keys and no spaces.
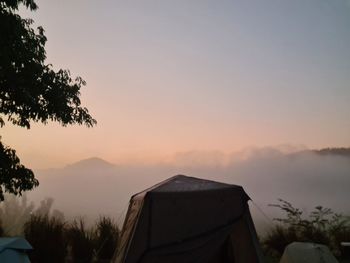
{"x":91,"y":163}
{"x":333,"y":151}
{"x":94,"y":162}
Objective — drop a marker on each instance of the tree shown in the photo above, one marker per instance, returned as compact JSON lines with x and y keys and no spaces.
{"x":31,"y":90}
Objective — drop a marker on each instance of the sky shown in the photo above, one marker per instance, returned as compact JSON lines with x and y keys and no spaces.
{"x":165,"y":77}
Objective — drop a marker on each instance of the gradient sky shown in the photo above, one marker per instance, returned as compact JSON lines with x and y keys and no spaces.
{"x":171,"y":76}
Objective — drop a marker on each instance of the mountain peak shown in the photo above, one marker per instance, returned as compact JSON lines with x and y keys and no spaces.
{"x":91,"y":163}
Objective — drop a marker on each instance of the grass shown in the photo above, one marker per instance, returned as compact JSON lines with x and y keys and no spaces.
{"x":53,"y":238}
{"x":57,"y":241}
{"x":81,"y":242}
{"x":47,"y":236}
{"x":107,"y":235}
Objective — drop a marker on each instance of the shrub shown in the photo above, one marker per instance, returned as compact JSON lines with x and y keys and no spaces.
{"x":81,"y":242}
{"x":46,"y":235}
{"x":278,"y":238}
{"x":107,"y":234}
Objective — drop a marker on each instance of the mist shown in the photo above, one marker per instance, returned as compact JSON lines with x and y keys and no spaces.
{"x":93,"y":187}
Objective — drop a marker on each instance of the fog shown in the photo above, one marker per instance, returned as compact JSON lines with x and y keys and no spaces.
{"x":94,"y":187}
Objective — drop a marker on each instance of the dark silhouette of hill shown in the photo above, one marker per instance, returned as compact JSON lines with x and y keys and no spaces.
{"x":334,"y":151}
{"x":331,"y":151}
{"x":91,"y":163}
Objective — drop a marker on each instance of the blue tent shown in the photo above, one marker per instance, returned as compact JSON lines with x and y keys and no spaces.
{"x":13,"y":250}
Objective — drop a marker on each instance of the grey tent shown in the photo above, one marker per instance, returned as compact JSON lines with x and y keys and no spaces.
{"x":13,"y":250}
{"x":189,"y":220}
{"x":302,"y":252}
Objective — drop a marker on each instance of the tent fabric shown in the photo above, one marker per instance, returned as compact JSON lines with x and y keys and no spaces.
{"x":13,"y":250}
{"x":186,"y":219}
{"x":300,"y":252}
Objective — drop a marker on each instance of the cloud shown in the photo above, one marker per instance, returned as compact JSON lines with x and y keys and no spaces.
{"x":304,"y":178}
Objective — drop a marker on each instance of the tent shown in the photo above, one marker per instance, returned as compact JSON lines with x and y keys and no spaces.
{"x":300,"y":252}
{"x":189,"y":220}
{"x":13,"y":250}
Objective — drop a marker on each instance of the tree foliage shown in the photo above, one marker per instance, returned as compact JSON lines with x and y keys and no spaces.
{"x":14,"y":177}
{"x":31,"y":90}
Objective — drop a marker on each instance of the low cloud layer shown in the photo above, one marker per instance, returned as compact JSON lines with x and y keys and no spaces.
{"x":94,"y":187}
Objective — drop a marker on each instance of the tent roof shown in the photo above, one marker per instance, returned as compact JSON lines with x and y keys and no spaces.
{"x":14,"y":243}
{"x":186,"y":184}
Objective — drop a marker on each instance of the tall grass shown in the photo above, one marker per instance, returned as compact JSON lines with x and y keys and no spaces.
{"x":107,"y":234}
{"x":81,"y":242}
{"x":47,"y":236}
{"x":57,"y":241}
{"x":52,"y":237}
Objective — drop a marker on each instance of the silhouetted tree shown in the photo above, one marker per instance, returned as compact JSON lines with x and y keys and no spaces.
{"x":30,"y":90}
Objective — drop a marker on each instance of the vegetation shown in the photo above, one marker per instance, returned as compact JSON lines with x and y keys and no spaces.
{"x":322,"y":226}
{"x":107,"y":235}
{"x":14,"y":212}
{"x":58,"y":241}
{"x":47,"y":235}
{"x":30,"y":90}
{"x":81,"y":241}
{"x":54,"y":239}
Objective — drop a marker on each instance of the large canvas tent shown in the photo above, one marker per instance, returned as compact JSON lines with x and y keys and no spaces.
{"x":13,"y":250}
{"x":303,"y":252}
{"x":189,"y":220}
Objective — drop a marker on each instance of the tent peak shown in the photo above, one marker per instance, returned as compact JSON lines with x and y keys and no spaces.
{"x":183,"y":183}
